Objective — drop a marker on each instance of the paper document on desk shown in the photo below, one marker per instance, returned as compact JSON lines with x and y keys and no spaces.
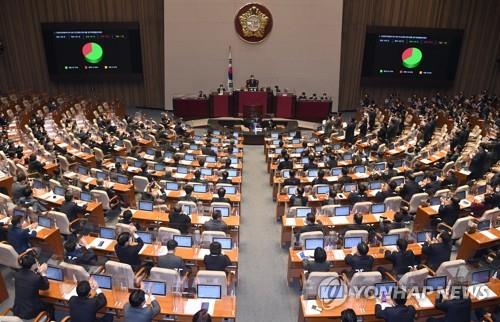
{"x":69,"y":294}
{"x":309,"y":307}
{"x":340,"y":220}
{"x":202,"y":219}
{"x":81,"y":203}
{"x":423,"y":301}
{"x":194,"y":305}
{"x":39,"y":229}
{"x":362,"y":175}
{"x":202,"y":252}
{"x":133,"y":169}
{"x":162,"y":251}
{"x":105,"y":243}
{"x":291,"y":222}
{"x":481,"y":292}
{"x":391,"y":248}
{"x":435,"y":208}
{"x":488,"y":235}
{"x":338,"y":254}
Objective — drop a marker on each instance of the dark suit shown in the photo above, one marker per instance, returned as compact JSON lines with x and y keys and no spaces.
{"x":319,"y":181}
{"x":382,"y":195}
{"x":35,"y":166}
{"x":311,"y":227}
{"x":298,"y":201}
{"x":401,"y":261}
{"x":436,"y":254}
{"x":84,"y":309}
{"x":18,"y":190}
{"x":291,"y":182}
{"x":216,"y":262}
{"x":313,"y":266}
{"x":345,"y":179}
{"x":171,"y":261}
{"x":356,"y":197}
{"x":390,"y":173}
{"x":215,"y":225}
{"x":179,"y":221}
{"x":349,"y":132}
{"x":141,"y":314}
{"x":399,"y":313}
{"x":449,"y":214}
{"x":219,"y":199}
{"x":19,"y":238}
{"x":409,"y":189}
{"x":432,"y":187}
{"x":456,"y":310}
{"x":130,"y":254}
{"x":27,"y":303}
{"x":359,"y":262}
{"x":71,"y":209}
{"x":285,"y":165}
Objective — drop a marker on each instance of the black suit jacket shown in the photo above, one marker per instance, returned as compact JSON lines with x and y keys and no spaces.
{"x":291,"y":182}
{"x":409,"y":189}
{"x":84,"y":309}
{"x":349,"y":132}
{"x":130,"y":254}
{"x":436,"y":254}
{"x":455,"y":310}
{"x":179,"y":221}
{"x":71,"y":209}
{"x":359,"y":262}
{"x":401,"y":261}
{"x":27,"y":303}
{"x":382,"y":195}
{"x":216,"y":262}
{"x":285,"y":165}
{"x":449,"y":214}
{"x":399,"y":313}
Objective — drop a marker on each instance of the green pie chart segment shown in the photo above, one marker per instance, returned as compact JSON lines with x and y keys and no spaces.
{"x":411,"y":57}
{"x":92,"y":52}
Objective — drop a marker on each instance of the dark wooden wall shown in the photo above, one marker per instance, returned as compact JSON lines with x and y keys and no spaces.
{"x":23,"y":65}
{"x":477,"y":68}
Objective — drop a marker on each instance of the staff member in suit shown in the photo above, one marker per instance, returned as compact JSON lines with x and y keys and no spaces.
{"x":140,"y":309}
{"x":457,"y":307}
{"x":349,"y":131}
{"x":170,"y":260}
{"x":360,"y":261}
{"x":319,"y":264}
{"x":83,"y":307}
{"x":398,"y":313}
{"x":437,"y":250}
{"x":216,"y":223}
{"x":179,"y":220}
{"x":449,"y":211}
{"x":18,"y":236}
{"x":216,"y":261}
{"x":403,"y":259}
{"x":28,"y":281}
{"x":129,"y":253}
{"x":298,"y":199}
{"x":252,"y":83}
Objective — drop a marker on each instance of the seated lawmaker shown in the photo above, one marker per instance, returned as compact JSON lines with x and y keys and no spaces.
{"x":221,"y":196}
{"x":359,"y":260}
{"x":188,"y":189}
{"x":298,"y":199}
{"x":286,"y":163}
{"x":139,"y":308}
{"x":358,"y":225}
{"x":402,"y":259}
{"x":128,"y":252}
{"x":399,"y":312}
{"x":78,"y":254}
{"x":319,"y":264}
{"x":320,"y":179}
{"x":457,"y":306}
{"x":34,"y":165}
{"x":225,"y":178}
{"x":177,"y":219}
{"x":70,"y":208}
{"x":449,"y":211}
{"x":292,"y":180}
{"x":388,"y":190}
{"x":19,"y":237}
{"x":83,"y":307}
{"x":216,"y":261}
{"x":437,"y":250}
{"x":172,"y":261}
{"x":311,"y":224}
{"x":358,"y":196}
{"x":216,"y":223}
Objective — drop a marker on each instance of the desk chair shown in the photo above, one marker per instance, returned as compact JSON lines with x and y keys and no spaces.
{"x":311,"y":282}
{"x":99,"y":155}
{"x":308,"y":235}
{"x":54,"y":183}
{"x":357,"y":233}
{"x":9,"y":255}
{"x":393,"y":203}
{"x":459,"y":228}
{"x":75,"y":191}
{"x":362,"y":207}
{"x":121,"y":228}
{"x":447,"y":167}
{"x":221,"y":205}
{"x":73,"y":271}
{"x":208,"y":235}
{"x":416,"y":200}
{"x":396,"y":178}
{"x":7,"y":203}
{"x":140,"y":183}
{"x":364,"y":279}
{"x":12,"y":167}
{"x":214,"y":278}
{"x":451,"y":269}
{"x":166,"y":233}
{"x":412,"y":279}
{"x":442,"y":193}
{"x":41,"y":317}
{"x":491,"y":215}
{"x":123,"y":273}
{"x":316,"y":187}
{"x":170,"y":276}
{"x":128,"y":145}
{"x":102,"y":197}
{"x":403,"y":233}
{"x":462,"y":188}
{"x":192,"y":205}
{"x":62,"y":222}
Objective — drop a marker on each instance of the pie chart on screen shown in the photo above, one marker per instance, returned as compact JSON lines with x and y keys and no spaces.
{"x":411,"y":57}
{"x":92,"y":52}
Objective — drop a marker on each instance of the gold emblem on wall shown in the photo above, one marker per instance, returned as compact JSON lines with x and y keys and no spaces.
{"x":253,"y":22}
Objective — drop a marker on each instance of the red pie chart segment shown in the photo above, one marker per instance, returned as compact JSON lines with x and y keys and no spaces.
{"x":411,"y":57}
{"x":92,"y":52}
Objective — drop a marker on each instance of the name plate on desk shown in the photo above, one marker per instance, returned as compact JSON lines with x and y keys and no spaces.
{"x":339,"y":220}
{"x":488,"y":235}
{"x":338,"y":254}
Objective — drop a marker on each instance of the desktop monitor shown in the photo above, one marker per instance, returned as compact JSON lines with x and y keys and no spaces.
{"x":159,"y":167}
{"x":381,"y":288}
{"x":322,"y":190}
{"x":59,"y":191}
{"x":377,"y":208}
{"x":205,"y":291}
{"x":435,"y":283}
{"x":375,"y":185}
{"x":146,"y":237}
{"x":336,"y":172}
{"x":54,"y":273}
{"x":206,"y":172}
{"x":224,"y":211}
{"x":182,"y":170}
{"x":359,"y":169}
{"x":172,"y":186}
{"x":105,"y":232}
{"x":155,"y":287}
{"x":121,"y":179}
{"x":461,"y":195}
{"x":350,"y":187}
{"x":483,"y":225}
{"x":313,"y":243}
{"x":200,"y":188}
{"x":480,"y":277}
{"x":390,"y":240}
{"x":19,"y":212}
{"x":83,"y":170}
{"x":331,"y":292}
{"x":230,"y":190}
{"x":225,"y":242}
{"x":350,"y":242}
{"x":145,"y":205}
{"x":184,"y":241}
{"x":85,"y":196}
{"x":302,"y":212}
{"x":100,"y":175}
{"x":481,"y":190}
{"x":37,"y":184}
{"x":291,"y":190}
{"x":45,"y":221}
{"x":104,"y":281}
{"x":342,"y":211}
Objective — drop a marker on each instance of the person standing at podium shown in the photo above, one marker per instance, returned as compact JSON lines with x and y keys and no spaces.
{"x":252,"y":84}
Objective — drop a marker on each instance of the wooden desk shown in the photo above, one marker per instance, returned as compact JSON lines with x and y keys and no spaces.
{"x":4,"y":294}
{"x":225,"y":308}
{"x":162,"y":217}
{"x":50,"y":241}
{"x":6,"y":183}
{"x":365,"y":307}
{"x":471,"y":243}
{"x":336,"y":258}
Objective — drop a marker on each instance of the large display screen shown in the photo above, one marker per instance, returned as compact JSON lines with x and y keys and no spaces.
{"x":410,"y":56}
{"x":92,"y":51}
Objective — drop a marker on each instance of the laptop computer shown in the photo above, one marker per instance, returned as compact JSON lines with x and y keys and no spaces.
{"x":85,"y":196}
{"x":121,"y":179}
{"x":59,"y":191}
{"x":480,"y":277}
{"x":19,"y":212}
{"x":146,"y":237}
{"x":291,"y":190}
{"x":375,"y":185}
{"x":336,"y":172}
{"x":359,"y":169}
{"x":172,"y":186}
{"x":200,"y":188}
{"x":390,"y":241}
{"x":155,"y":287}
{"x":350,"y":187}
{"x":341,"y":211}
{"x":206,"y":172}
{"x":313,"y":243}
{"x":105,"y":232}
{"x":435,"y":283}
{"x":377,"y":208}
{"x":230,"y":190}
{"x":323,"y":190}
{"x":483,"y":225}
{"x":312,"y":173}
{"x":205,"y":291}
{"x":104,"y":281}
{"x":183,"y":241}
{"x":55,"y":273}
{"x":224,"y":211}
{"x":225,"y":242}
{"x":145,"y":205}
{"x":159,"y":167}
{"x":331,"y":292}
{"x":350,"y":242}
{"x":302,"y":212}
{"x":45,"y":222}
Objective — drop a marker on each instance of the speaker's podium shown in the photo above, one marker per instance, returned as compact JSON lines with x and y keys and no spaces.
{"x":253,"y":104}
{"x":220,"y":104}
